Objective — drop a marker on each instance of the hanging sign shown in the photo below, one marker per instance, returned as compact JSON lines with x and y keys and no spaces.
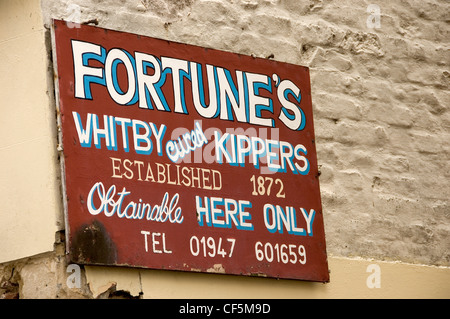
{"x":185,"y":158}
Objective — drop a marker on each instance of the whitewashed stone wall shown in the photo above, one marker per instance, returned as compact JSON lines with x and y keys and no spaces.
{"x":380,"y":89}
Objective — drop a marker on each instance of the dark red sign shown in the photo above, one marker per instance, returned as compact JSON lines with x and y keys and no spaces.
{"x":185,"y":158}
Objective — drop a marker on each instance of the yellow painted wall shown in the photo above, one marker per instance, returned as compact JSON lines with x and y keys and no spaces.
{"x":350,"y":278}
{"x":29,"y":186}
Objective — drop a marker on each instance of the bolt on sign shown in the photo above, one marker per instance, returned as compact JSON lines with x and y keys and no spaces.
{"x":185,"y":158}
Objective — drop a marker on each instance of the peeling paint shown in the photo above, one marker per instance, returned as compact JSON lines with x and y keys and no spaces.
{"x":196,"y":269}
{"x":217,"y":268}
